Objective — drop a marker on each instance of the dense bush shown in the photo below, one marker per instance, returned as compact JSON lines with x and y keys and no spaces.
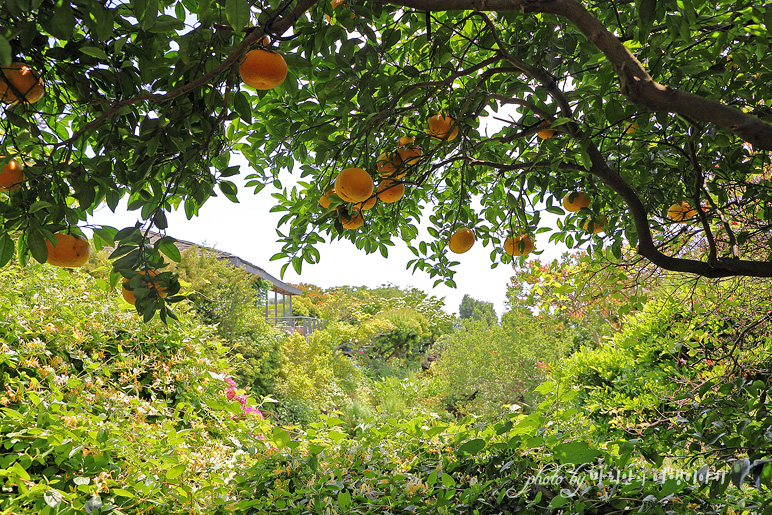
{"x":520,"y":464}
{"x":409,"y":333}
{"x":102,"y":410}
{"x":313,"y":378}
{"x":687,"y":378}
{"x":303,"y":307}
{"x":227,"y":297}
{"x":223,"y":295}
{"x":486,"y":367}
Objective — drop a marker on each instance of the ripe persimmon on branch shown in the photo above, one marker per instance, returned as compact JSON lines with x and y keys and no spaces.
{"x":490,"y":114}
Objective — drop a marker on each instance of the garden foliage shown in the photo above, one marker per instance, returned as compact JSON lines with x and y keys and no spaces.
{"x":102,"y":411}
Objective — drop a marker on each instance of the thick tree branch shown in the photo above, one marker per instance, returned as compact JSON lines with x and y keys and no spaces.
{"x":646,"y":247}
{"x":699,"y":181}
{"x":636,"y":84}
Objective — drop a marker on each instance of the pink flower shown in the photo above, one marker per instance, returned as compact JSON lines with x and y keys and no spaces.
{"x":230,"y":382}
{"x":229,"y":393}
{"x":255,"y":411}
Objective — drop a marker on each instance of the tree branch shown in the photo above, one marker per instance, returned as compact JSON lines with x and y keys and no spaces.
{"x":636,"y":84}
{"x":278,"y":27}
{"x":646,"y":248}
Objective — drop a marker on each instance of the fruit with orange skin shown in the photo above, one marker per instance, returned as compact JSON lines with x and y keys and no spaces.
{"x":680,"y":212}
{"x":390,"y":191}
{"x":390,"y":165}
{"x":324,"y":200}
{"x":352,"y":222}
{"x":598,"y":224}
{"x":11,"y":176}
{"x":24,"y":79}
{"x":367,"y":204}
{"x":461,"y":240}
{"x":410,"y":155}
{"x":545,"y":133}
{"x":153,"y":285}
{"x":354,"y":185}
{"x":439,"y":127}
{"x":70,"y":250}
{"x":262,"y":69}
{"x":573,"y":202}
{"x":405,"y":141}
{"x":519,"y":245}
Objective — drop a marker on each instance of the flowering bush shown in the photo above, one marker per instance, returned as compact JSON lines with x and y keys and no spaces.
{"x":231,"y":393}
{"x":108,"y":411}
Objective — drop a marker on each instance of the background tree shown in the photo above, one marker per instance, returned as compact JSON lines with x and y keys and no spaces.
{"x":657,"y":110}
{"x":477,"y":310}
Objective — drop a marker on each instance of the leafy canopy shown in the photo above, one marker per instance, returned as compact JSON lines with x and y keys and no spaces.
{"x":652,"y":103}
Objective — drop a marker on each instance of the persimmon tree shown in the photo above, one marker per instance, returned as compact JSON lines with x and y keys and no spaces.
{"x":639,"y":104}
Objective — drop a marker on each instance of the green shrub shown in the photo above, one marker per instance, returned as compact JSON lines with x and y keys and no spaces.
{"x":314,"y":376}
{"x":226,"y":296}
{"x":486,"y":367}
{"x":410,"y":334}
{"x":303,"y":307}
{"x":223,"y":295}
{"x":101,"y":409}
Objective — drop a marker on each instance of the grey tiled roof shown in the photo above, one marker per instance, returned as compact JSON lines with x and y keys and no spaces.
{"x":278,"y":285}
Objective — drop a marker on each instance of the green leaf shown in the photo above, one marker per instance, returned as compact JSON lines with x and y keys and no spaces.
{"x":237,"y":12}
{"x":149,"y":14}
{"x":6,"y":249}
{"x":105,"y":234}
{"x":175,"y":471}
{"x":344,"y":500}
{"x":529,"y":425}
{"x":169,"y":249}
{"x":575,"y":452}
{"x":37,"y":245}
{"x":472,"y":446}
{"x":62,"y":21}
{"x":646,"y":12}
{"x":95,"y":52}
{"x":555,"y":210}
{"x":740,"y":469}
{"x":336,"y":436}
{"x":280,"y":437}
{"x":242,"y":106}
{"x":121,"y":492}
{"x":545,"y":388}
{"x":559,"y":501}
{"x":5,"y":51}
{"x":17,"y":470}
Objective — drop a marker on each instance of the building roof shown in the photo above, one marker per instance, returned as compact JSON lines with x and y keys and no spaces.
{"x":278,"y":285}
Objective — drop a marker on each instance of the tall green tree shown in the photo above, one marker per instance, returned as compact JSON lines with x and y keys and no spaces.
{"x":642,"y":105}
{"x":477,"y":310}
